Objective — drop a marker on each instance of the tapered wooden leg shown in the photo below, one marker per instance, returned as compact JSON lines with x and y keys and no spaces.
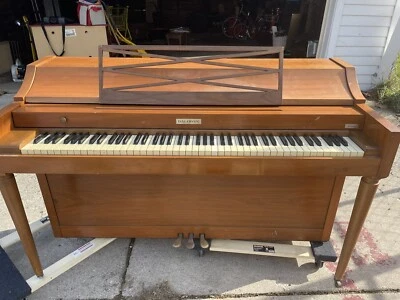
{"x":9,"y":189}
{"x":365,"y":195}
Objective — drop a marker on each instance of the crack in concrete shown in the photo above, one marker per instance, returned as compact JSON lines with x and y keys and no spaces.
{"x":127,"y":262}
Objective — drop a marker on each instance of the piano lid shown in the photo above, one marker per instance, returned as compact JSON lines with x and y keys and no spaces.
{"x":221,"y":79}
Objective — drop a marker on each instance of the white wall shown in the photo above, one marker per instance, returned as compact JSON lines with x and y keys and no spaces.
{"x":358,"y":32}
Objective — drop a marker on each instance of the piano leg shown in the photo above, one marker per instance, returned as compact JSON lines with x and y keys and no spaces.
{"x":12,"y":198}
{"x":365,"y":195}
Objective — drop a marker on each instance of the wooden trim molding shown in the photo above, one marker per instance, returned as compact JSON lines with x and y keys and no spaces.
{"x":330,"y":28}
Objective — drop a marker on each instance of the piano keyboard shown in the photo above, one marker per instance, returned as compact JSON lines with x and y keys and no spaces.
{"x":163,"y":143}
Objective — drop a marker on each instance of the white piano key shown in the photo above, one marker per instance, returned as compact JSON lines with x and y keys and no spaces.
{"x":247,"y":149}
{"x":234,"y":147}
{"x":262,"y":150}
{"x":299,"y":149}
{"x":27,"y":149}
{"x":175,"y":147}
{"x":141,"y":149}
{"x":158,"y":146}
{"x":356,"y":150}
{"x":202,"y":147}
{"x":171,"y":146}
{"x":77,"y":150}
{"x":207,"y":147}
{"x":130,"y":146}
{"x":163,"y":148}
{"x":118,"y":149}
{"x":150,"y":149}
{"x":328,"y":150}
{"x":340,"y":151}
{"x":307,"y":151}
{"x":182,"y":147}
{"x":239,"y":148}
{"x":106,"y":148}
{"x":276,"y":150}
{"x":189,"y":148}
{"x":285,"y":150}
{"x":220,"y":148}
{"x":214,"y":148}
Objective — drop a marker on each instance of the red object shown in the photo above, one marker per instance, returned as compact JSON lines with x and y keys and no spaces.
{"x":94,"y":8}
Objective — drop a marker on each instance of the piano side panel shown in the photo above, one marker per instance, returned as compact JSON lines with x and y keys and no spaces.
{"x":383,"y":133}
{"x":6,"y":121}
{"x":29,"y":77}
{"x":219,"y":206}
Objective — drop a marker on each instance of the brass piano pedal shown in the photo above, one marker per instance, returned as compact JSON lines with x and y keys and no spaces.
{"x":178,"y":242}
{"x":203,"y":242}
{"x":190,"y":241}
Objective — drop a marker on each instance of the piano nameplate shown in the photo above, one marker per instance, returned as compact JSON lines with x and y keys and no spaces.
{"x":188,"y":121}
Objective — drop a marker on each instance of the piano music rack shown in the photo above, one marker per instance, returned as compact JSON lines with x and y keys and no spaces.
{"x":171,"y":80}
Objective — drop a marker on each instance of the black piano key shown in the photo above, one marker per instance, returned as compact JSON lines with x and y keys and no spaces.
{"x":137,"y":138}
{"x":84,"y":137}
{"x":264,"y":139}
{"x":316,"y":140}
{"x":69,"y":138}
{"x":119,"y":138}
{"x":144,"y":139}
{"x":94,"y":138}
{"x":204,"y":139}
{"x":254,"y":139}
{"x":187,"y":139}
{"x":283,"y":140}
{"x":198,"y":140}
{"x":126,"y":138}
{"x":162,"y":139}
{"x":229,"y":139}
{"x":342,"y":141}
{"x":240,"y":139}
{"x":309,"y":140}
{"x":40,"y":137}
{"x":222,"y":139}
{"x":247,"y":139}
{"x":327,"y":140}
{"x":58,"y":138}
{"x":112,"y":139}
{"x":101,"y":138}
{"x":335,"y":140}
{"x":155,"y":139}
{"x":212,"y":139}
{"x":76,"y":138}
{"x":180,"y":139}
{"x":50,"y":138}
{"x":170,"y":137}
{"x":297,"y":140}
{"x":290,"y":140}
{"x":272,"y":139}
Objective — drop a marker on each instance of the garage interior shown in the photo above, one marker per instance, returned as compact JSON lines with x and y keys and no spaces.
{"x":298,"y":22}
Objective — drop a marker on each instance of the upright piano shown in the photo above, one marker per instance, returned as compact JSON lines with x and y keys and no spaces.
{"x":235,"y":144}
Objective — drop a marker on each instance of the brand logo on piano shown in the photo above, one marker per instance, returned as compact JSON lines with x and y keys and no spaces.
{"x":188,"y":121}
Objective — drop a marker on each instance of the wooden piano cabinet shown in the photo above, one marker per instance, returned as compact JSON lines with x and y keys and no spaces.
{"x":161,"y":206}
{"x":265,"y":198}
